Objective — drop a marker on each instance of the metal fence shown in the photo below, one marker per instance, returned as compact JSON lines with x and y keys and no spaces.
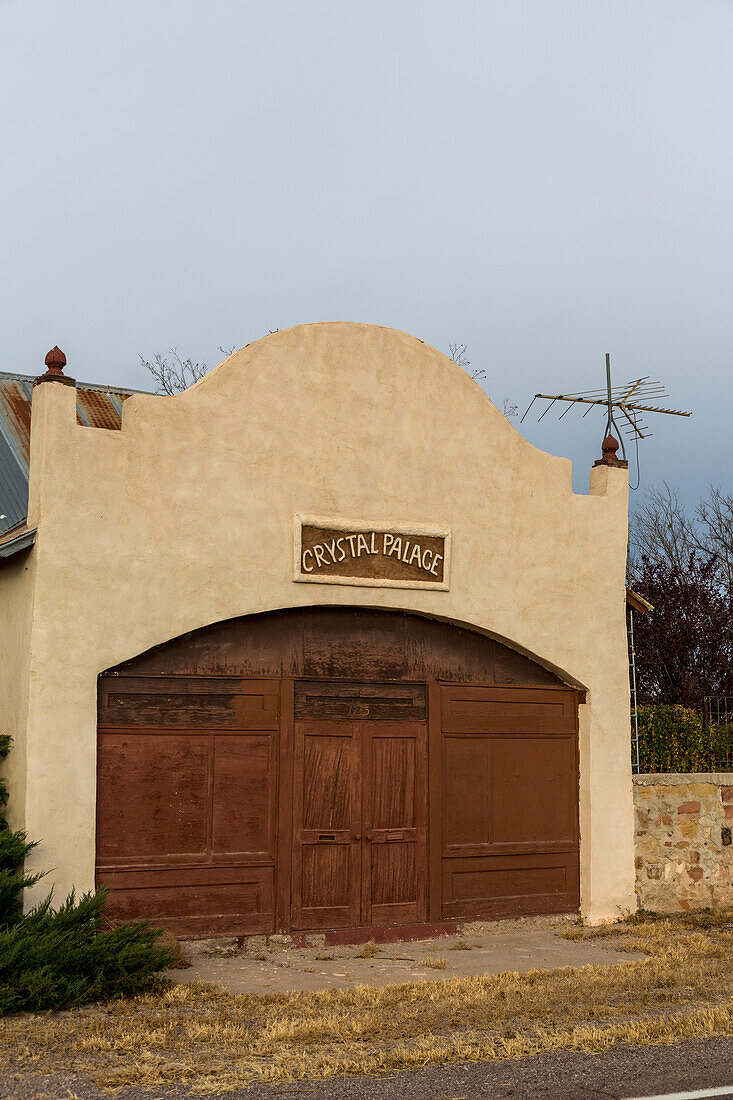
{"x":717,"y":711}
{"x":681,"y":739}
{"x":635,"y":759}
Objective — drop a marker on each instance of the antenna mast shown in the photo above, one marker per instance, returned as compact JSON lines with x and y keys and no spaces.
{"x":630,"y":400}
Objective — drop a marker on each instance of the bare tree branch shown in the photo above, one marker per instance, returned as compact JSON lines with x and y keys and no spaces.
{"x":459,"y":355}
{"x":662,"y":532}
{"x":715,"y":526}
{"x":172,"y":373}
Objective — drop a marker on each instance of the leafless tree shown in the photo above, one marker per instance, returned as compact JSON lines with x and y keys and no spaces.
{"x":660,"y":530}
{"x":714,"y":515}
{"x":663,"y":532}
{"x":459,"y":355}
{"x":174,"y":374}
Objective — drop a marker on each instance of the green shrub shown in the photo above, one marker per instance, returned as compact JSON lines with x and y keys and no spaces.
{"x":54,"y":958}
{"x":14,"y":847}
{"x":673,"y":738}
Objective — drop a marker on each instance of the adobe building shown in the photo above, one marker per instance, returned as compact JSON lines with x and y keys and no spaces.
{"x":322,"y":643}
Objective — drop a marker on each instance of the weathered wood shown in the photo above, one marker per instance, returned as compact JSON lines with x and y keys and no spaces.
{"x":509,"y":815}
{"x":356,"y":644}
{"x":286,"y":758}
{"x":284,"y":861}
{"x":391,"y":702}
{"x":326,"y":825}
{"x":435,"y":803}
{"x":394,"y":846}
{"x":186,"y":788}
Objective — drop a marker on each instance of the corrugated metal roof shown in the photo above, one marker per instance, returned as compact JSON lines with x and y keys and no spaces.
{"x":96,"y":407}
{"x":19,"y":538}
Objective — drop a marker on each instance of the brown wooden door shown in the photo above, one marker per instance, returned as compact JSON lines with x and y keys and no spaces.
{"x":327,"y":825}
{"x":359,"y":830}
{"x":507,"y":792}
{"x":394,"y":879}
{"x":186,"y":800}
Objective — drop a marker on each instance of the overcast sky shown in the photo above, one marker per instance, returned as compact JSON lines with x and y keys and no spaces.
{"x":543,"y":180}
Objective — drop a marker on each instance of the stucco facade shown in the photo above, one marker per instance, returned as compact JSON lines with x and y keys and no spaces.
{"x":185,"y":518}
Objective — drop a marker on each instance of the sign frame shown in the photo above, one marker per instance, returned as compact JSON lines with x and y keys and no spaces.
{"x":364,"y":527}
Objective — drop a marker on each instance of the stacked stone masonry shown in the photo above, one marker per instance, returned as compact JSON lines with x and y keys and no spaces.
{"x":684,"y":855}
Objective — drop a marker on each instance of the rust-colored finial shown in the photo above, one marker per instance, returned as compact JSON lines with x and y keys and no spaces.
{"x":55,"y":362}
{"x":609,"y":447}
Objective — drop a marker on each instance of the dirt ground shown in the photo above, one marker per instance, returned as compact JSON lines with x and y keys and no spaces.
{"x":660,"y":981}
{"x":530,"y":943}
{"x":621,"y":1073}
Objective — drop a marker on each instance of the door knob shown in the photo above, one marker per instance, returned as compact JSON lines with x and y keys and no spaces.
{"x":357,"y":836}
{"x":369,"y":835}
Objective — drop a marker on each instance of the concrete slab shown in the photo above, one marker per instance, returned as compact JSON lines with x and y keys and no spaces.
{"x":531,"y":943}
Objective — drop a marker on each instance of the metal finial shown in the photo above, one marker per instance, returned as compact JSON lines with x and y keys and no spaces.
{"x":609,"y":448}
{"x":55,"y":362}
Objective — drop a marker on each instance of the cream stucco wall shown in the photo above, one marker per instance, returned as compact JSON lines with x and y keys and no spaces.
{"x":17,"y":576}
{"x":185,"y":518}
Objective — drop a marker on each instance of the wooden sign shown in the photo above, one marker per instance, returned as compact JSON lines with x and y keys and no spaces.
{"x":335,"y":551}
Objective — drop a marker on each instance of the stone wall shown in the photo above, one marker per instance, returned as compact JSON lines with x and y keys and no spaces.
{"x":684,"y":857}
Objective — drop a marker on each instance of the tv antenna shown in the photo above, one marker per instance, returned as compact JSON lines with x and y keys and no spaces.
{"x":629,"y":403}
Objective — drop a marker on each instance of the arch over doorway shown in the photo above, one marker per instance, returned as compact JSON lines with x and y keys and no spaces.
{"x":331,"y":768}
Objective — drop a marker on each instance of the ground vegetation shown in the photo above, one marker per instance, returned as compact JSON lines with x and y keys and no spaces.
{"x":209,"y":1041}
{"x":53,"y":957}
{"x":674,"y":738}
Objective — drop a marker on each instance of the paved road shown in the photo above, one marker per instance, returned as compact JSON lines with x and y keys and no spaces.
{"x":620,"y":1074}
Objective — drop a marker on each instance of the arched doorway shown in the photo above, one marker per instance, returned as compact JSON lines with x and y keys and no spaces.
{"x":335,"y":768}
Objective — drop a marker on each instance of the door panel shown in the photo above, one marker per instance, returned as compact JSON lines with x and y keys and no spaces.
{"x":508,"y":837}
{"x":187,"y":702}
{"x":510,"y":886}
{"x":244,"y":778}
{"x":533,"y":792}
{"x":186,"y":801}
{"x":395,"y":852}
{"x":391,"y":702}
{"x":466,"y":791}
{"x":154,"y":791}
{"x":359,"y":850}
{"x":507,"y":710}
{"x":327,"y":819}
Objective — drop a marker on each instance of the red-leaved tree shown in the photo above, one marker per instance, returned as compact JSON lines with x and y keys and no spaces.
{"x":684,"y":647}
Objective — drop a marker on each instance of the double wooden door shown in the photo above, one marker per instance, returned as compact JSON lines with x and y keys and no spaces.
{"x":248,"y":805}
{"x":360,"y":831}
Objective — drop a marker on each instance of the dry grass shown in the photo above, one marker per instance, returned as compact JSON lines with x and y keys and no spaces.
{"x":433,"y":963}
{"x":212,"y":1041}
{"x":368,"y":951}
{"x":181,"y":961}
